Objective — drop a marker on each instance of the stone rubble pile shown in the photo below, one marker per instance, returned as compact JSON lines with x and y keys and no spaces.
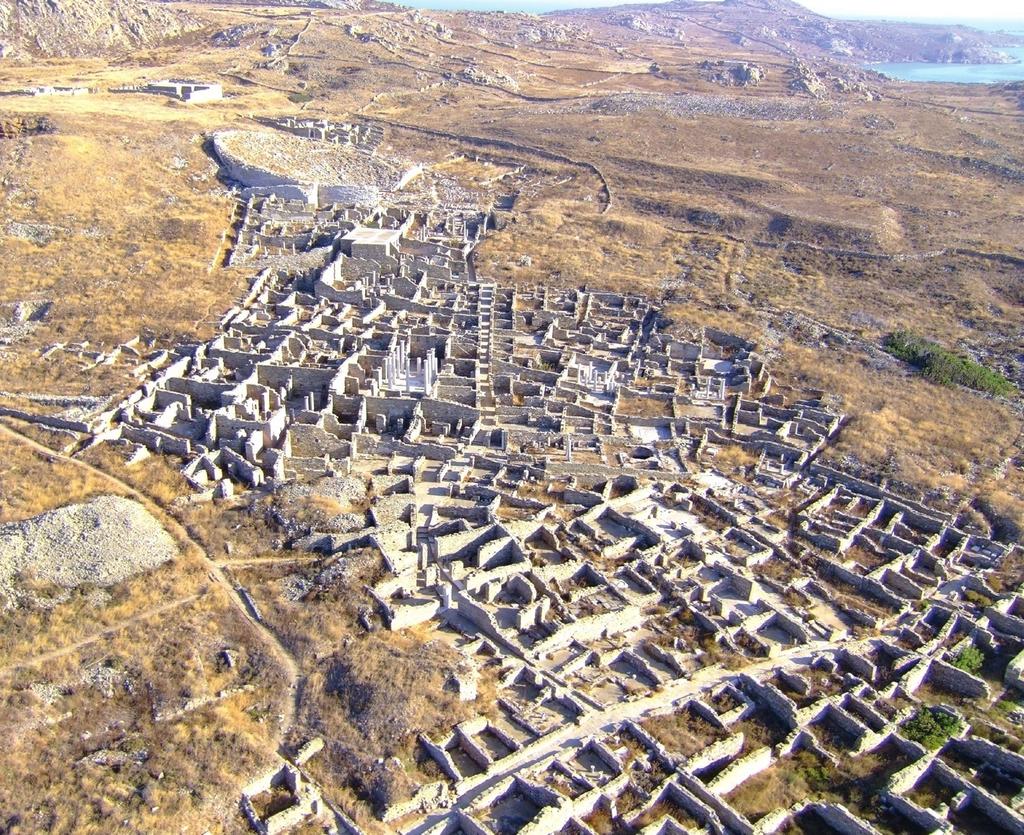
{"x":101,"y":542}
{"x":761,"y":108}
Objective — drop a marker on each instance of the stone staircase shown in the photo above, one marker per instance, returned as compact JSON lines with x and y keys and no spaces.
{"x":484,"y":387}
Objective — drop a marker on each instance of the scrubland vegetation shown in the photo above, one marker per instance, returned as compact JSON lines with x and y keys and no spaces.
{"x":945,"y":367}
{"x":899,"y":430}
{"x":117,"y":222}
{"x":931,"y":727}
{"x":369,"y":700}
{"x":70,"y":767}
{"x":970,"y":659}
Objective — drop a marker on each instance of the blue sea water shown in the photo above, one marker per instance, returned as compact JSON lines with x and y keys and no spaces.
{"x":958,"y":73}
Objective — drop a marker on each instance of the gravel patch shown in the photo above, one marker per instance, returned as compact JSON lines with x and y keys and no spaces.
{"x":303,"y":160}
{"x":341,"y":489}
{"x":103,"y":542}
{"x":702,"y":104}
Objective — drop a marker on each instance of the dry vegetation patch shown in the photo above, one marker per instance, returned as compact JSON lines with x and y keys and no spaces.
{"x":904,"y":427}
{"x":369,"y":700}
{"x":32,"y":482}
{"x":314,"y":606}
{"x":802,"y":776}
{"x":48,"y":618}
{"x":117,"y":223}
{"x":159,"y":478}
{"x":82,"y":745}
{"x":684,"y":733}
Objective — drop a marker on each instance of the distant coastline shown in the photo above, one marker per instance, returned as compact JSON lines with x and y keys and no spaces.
{"x":1012,"y":26}
{"x":521,"y":7}
{"x":1008,"y":25}
{"x":957,"y":73}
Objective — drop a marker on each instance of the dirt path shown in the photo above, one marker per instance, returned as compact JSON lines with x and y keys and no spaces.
{"x":108,"y":632}
{"x":507,"y":145}
{"x":273,"y":644}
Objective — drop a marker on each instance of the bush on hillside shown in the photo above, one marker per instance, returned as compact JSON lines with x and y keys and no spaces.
{"x":945,"y":367}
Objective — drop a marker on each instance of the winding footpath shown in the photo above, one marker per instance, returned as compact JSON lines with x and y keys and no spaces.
{"x":96,"y":637}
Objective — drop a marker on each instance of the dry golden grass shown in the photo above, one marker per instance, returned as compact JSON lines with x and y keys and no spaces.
{"x":687,"y":319}
{"x":734,"y":459}
{"x":473,"y":173}
{"x":158,"y":478}
{"x":79,"y":754}
{"x":643,"y":407}
{"x":153,"y":217}
{"x":1001,"y":502}
{"x":32,"y":482}
{"x":906,"y":427}
{"x":683,"y":733}
{"x":370,"y":699}
{"x":315,"y":625}
{"x":131,"y":216}
{"x":797,"y":778}
{"x":83,"y":613}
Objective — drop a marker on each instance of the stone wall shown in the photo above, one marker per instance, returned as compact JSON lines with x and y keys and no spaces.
{"x":592,"y":628}
{"x":740,"y":770}
{"x":839,"y":818}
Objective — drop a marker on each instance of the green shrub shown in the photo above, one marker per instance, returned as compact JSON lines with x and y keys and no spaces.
{"x":969,"y":659}
{"x":931,"y":727}
{"x":817,"y":775}
{"x":945,"y":367}
{"x":299,"y":98}
{"x":977,"y":598}
{"x":1008,"y":704}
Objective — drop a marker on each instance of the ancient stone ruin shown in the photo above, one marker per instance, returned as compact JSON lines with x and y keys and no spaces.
{"x":545,"y":468}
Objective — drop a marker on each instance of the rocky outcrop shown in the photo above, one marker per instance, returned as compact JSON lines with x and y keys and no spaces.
{"x":732,"y":73}
{"x":492,"y":78}
{"x":86,"y":27}
{"x":795,"y":30}
{"x":15,"y":126}
{"x":822,"y":82}
{"x":806,"y":80}
{"x":954,"y":48}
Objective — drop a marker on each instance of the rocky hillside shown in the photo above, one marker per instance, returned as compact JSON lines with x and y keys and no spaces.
{"x":792,"y":28}
{"x":85,"y":27}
